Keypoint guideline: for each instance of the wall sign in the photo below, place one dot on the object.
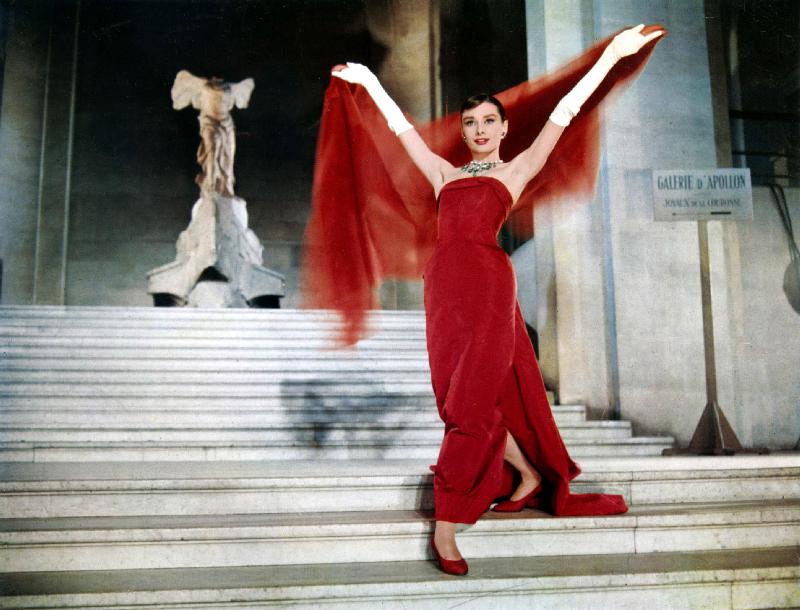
(702, 194)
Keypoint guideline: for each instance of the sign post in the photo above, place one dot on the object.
(703, 195)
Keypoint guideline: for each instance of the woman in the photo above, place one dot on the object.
(485, 377)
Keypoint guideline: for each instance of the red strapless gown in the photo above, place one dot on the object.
(483, 368)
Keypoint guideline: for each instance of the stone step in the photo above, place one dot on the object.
(316, 392)
(292, 400)
(31, 490)
(294, 393)
(13, 356)
(138, 315)
(43, 313)
(308, 433)
(206, 377)
(736, 580)
(221, 330)
(312, 389)
(292, 397)
(289, 327)
(294, 404)
(235, 417)
(242, 451)
(380, 368)
(126, 543)
(231, 341)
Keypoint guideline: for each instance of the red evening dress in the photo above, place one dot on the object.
(373, 217)
(483, 368)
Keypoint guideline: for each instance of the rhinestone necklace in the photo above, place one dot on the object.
(475, 167)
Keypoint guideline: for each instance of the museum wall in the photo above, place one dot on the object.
(97, 173)
(766, 329)
(135, 155)
(616, 296)
(24, 70)
(665, 122)
(98, 216)
(130, 166)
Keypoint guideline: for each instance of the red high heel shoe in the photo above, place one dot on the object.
(514, 506)
(458, 567)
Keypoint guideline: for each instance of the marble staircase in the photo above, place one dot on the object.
(168, 458)
(101, 384)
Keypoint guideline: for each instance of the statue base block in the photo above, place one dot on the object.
(218, 262)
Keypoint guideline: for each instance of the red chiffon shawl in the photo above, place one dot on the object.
(373, 212)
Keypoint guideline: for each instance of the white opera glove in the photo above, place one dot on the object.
(624, 44)
(361, 75)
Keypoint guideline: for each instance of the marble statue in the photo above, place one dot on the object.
(218, 262)
(214, 98)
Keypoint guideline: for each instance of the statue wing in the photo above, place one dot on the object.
(186, 90)
(241, 92)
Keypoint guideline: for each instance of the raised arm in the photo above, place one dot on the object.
(432, 165)
(530, 161)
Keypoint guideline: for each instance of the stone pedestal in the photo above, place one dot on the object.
(218, 262)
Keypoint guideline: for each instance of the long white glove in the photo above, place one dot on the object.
(359, 74)
(624, 44)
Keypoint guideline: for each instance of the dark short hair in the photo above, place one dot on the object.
(473, 101)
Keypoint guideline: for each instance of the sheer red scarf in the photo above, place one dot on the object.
(373, 212)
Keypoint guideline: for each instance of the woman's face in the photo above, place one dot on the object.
(483, 129)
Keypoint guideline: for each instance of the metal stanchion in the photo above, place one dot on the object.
(713, 435)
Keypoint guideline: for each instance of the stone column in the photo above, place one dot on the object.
(571, 267)
(627, 336)
(533, 262)
(665, 120)
(56, 156)
(25, 81)
(410, 32)
(36, 140)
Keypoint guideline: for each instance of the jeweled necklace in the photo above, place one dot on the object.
(475, 167)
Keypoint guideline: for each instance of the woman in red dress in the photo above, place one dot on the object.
(500, 438)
